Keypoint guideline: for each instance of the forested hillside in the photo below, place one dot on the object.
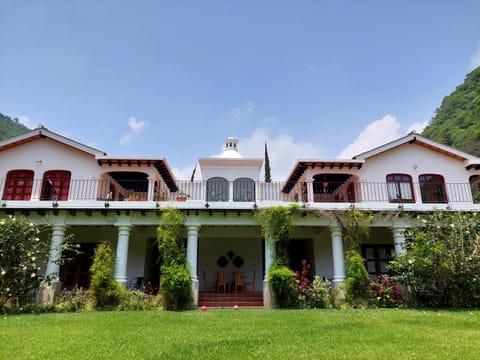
(10, 127)
(457, 120)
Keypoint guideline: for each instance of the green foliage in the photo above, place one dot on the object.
(320, 294)
(457, 120)
(24, 249)
(170, 235)
(284, 286)
(175, 280)
(138, 300)
(357, 283)
(105, 292)
(441, 262)
(10, 127)
(355, 226)
(277, 228)
(175, 283)
(386, 292)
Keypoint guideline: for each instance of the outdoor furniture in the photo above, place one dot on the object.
(207, 284)
(238, 281)
(136, 284)
(221, 282)
(251, 283)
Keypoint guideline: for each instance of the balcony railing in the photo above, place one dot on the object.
(239, 191)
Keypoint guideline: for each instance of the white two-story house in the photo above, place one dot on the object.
(83, 191)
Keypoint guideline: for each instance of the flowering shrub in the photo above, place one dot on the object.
(319, 294)
(441, 261)
(139, 300)
(72, 300)
(302, 277)
(386, 292)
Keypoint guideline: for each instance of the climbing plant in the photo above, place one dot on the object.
(355, 226)
(277, 228)
(175, 279)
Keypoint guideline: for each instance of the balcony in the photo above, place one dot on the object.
(246, 191)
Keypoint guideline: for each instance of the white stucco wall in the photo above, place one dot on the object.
(250, 249)
(414, 160)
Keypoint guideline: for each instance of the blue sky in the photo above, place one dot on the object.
(315, 79)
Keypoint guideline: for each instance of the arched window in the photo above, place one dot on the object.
(217, 189)
(18, 185)
(400, 188)
(244, 189)
(56, 184)
(432, 188)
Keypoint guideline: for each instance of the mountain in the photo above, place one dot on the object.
(457, 120)
(10, 127)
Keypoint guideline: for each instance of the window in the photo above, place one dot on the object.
(18, 185)
(244, 190)
(376, 259)
(217, 189)
(432, 188)
(400, 188)
(56, 184)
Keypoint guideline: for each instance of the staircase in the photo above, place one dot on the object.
(220, 301)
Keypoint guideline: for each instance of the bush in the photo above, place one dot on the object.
(319, 294)
(284, 286)
(357, 283)
(72, 300)
(386, 292)
(138, 300)
(105, 292)
(441, 261)
(175, 285)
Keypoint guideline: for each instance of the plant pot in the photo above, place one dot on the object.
(181, 198)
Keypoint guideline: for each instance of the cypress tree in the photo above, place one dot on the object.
(268, 177)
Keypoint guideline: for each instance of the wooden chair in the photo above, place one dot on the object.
(221, 281)
(238, 282)
(251, 283)
(207, 284)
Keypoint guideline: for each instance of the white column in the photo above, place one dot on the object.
(269, 256)
(53, 266)
(269, 259)
(398, 240)
(122, 254)
(338, 258)
(192, 250)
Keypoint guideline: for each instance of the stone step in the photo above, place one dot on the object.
(210, 300)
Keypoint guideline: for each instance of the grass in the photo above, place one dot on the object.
(244, 334)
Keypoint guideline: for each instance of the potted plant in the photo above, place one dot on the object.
(182, 196)
(161, 196)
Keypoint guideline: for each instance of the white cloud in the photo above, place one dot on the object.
(475, 60)
(418, 127)
(283, 151)
(186, 173)
(378, 133)
(25, 120)
(242, 112)
(136, 127)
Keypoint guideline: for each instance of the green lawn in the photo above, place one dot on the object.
(244, 334)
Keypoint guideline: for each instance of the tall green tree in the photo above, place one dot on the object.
(10, 127)
(268, 177)
(457, 120)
